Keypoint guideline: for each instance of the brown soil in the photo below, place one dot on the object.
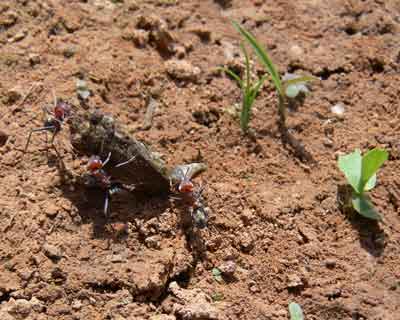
(274, 213)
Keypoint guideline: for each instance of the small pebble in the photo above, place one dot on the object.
(338, 109)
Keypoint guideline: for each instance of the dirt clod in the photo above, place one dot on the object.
(182, 70)
(192, 304)
(52, 251)
(228, 268)
(294, 281)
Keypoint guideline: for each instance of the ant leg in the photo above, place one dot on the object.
(53, 136)
(108, 159)
(36, 130)
(106, 204)
(126, 162)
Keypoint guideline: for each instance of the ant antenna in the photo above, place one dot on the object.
(54, 97)
(108, 159)
(126, 162)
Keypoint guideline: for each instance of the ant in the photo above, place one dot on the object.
(100, 179)
(180, 180)
(53, 123)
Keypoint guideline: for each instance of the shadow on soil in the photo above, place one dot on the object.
(124, 208)
(371, 235)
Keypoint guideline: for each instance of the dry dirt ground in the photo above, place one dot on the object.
(274, 213)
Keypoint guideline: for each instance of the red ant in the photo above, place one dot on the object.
(180, 179)
(100, 179)
(53, 123)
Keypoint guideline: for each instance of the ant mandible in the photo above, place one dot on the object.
(53, 123)
(102, 180)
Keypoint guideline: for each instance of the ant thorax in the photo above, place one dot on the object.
(62, 110)
(95, 163)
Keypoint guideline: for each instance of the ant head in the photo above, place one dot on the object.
(185, 187)
(95, 163)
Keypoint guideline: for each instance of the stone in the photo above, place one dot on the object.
(338, 109)
(146, 171)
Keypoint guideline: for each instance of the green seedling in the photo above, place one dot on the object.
(217, 296)
(249, 89)
(295, 311)
(360, 172)
(82, 89)
(217, 274)
(285, 88)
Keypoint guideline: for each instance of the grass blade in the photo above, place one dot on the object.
(247, 62)
(234, 76)
(262, 54)
(302, 79)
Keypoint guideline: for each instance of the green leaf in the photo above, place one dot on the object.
(295, 311)
(351, 166)
(364, 206)
(371, 183)
(262, 54)
(371, 162)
